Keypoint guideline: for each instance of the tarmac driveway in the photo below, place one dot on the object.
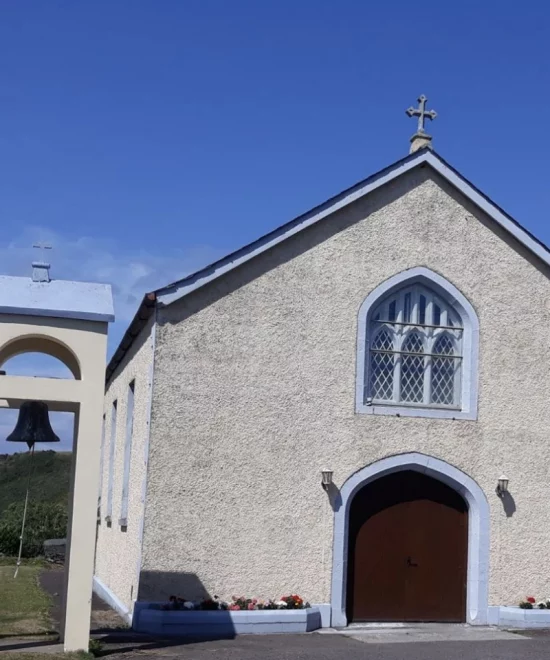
(338, 647)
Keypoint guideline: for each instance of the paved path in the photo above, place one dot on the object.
(339, 647)
(324, 646)
(423, 632)
(103, 617)
(419, 642)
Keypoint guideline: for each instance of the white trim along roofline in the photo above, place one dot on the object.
(176, 290)
(172, 292)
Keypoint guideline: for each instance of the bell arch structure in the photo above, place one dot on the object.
(69, 321)
(40, 343)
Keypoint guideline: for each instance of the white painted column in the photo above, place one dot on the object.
(79, 564)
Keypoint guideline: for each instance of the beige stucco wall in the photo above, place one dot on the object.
(255, 394)
(118, 551)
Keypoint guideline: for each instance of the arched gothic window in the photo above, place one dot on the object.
(415, 350)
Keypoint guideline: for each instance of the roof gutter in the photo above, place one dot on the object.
(142, 316)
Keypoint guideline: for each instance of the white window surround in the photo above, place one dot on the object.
(109, 512)
(123, 520)
(470, 347)
(477, 590)
(101, 467)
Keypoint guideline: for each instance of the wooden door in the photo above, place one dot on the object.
(407, 551)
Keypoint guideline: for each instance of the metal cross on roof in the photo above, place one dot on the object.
(42, 246)
(421, 113)
(41, 269)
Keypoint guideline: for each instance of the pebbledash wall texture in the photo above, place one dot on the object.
(118, 549)
(254, 394)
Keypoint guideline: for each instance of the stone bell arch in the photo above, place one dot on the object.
(69, 321)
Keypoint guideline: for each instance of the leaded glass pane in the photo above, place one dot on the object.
(415, 305)
(444, 346)
(412, 370)
(443, 371)
(382, 366)
(383, 341)
(413, 344)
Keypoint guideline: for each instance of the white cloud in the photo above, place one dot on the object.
(130, 273)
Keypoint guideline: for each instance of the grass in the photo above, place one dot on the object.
(24, 605)
(24, 613)
(10, 561)
(50, 480)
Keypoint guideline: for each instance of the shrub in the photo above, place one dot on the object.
(95, 647)
(44, 521)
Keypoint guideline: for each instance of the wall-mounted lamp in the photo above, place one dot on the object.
(326, 478)
(502, 485)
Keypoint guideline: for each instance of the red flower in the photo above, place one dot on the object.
(530, 599)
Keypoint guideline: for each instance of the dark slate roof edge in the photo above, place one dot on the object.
(138, 322)
(491, 202)
(282, 229)
(141, 317)
(423, 156)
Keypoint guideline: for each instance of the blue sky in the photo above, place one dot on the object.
(145, 138)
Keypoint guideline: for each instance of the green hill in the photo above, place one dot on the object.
(50, 478)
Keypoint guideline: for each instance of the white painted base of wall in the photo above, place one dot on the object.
(111, 599)
(320, 617)
(225, 623)
(326, 614)
(515, 617)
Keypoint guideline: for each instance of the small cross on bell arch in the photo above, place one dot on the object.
(33, 425)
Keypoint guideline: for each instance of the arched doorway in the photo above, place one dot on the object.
(407, 551)
(477, 590)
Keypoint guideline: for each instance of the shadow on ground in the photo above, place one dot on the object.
(8, 643)
(104, 618)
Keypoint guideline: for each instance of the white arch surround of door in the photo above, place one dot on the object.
(477, 592)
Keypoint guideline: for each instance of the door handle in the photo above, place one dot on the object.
(410, 562)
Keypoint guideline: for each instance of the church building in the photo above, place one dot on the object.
(354, 408)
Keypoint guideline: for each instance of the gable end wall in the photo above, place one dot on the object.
(255, 394)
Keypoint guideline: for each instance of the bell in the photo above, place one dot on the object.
(33, 425)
